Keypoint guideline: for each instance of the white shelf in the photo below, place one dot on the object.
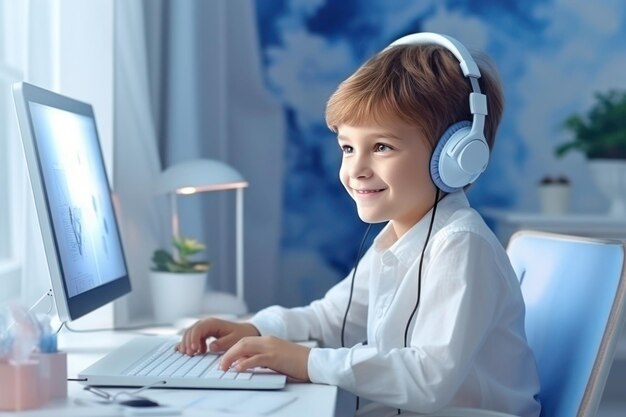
(594, 225)
(591, 222)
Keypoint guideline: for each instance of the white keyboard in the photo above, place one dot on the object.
(165, 362)
(153, 359)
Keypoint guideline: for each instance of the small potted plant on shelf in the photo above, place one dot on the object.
(554, 194)
(601, 136)
(178, 283)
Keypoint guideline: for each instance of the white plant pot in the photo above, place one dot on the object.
(610, 177)
(177, 295)
(554, 198)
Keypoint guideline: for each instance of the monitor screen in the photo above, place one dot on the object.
(73, 199)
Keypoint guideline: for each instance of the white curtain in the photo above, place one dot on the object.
(42, 69)
(136, 160)
(254, 141)
(209, 101)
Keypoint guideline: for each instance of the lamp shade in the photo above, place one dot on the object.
(199, 175)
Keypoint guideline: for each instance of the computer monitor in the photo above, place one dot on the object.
(73, 199)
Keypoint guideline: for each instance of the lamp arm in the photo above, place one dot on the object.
(239, 245)
(175, 224)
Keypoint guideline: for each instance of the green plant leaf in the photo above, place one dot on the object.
(161, 259)
(184, 247)
(601, 133)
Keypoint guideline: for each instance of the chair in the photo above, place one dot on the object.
(574, 291)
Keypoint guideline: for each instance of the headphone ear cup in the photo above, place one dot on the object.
(462, 127)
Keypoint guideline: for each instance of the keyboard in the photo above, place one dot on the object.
(152, 359)
(165, 361)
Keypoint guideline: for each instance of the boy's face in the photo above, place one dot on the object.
(386, 170)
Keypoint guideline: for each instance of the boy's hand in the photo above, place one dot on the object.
(225, 332)
(280, 355)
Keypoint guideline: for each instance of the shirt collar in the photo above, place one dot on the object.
(410, 245)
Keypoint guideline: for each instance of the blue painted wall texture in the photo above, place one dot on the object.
(552, 57)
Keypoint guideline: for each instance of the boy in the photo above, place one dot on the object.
(435, 296)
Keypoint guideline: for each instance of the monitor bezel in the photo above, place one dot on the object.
(68, 308)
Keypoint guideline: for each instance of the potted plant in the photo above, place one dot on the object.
(554, 194)
(184, 248)
(601, 136)
(178, 283)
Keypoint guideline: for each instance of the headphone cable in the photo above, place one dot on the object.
(356, 265)
(345, 316)
(419, 276)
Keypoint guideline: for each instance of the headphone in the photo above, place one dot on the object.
(461, 153)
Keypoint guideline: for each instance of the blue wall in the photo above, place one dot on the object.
(552, 56)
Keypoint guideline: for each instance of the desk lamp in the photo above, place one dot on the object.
(206, 175)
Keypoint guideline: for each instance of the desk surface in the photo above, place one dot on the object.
(85, 348)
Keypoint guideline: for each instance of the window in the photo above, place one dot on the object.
(12, 58)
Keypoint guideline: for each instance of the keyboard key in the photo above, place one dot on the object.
(214, 373)
(182, 371)
(164, 364)
(180, 361)
(147, 359)
(205, 362)
(163, 360)
(232, 374)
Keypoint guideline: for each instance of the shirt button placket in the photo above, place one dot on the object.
(388, 262)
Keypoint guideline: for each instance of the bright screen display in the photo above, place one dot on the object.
(78, 197)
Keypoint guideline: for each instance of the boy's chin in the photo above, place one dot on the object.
(370, 218)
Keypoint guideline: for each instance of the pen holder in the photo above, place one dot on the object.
(52, 374)
(20, 386)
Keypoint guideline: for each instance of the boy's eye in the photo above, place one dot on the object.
(347, 149)
(381, 147)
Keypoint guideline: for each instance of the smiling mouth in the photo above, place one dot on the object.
(364, 192)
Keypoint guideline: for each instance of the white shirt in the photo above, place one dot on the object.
(467, 344)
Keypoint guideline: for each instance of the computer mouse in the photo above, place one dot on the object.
(139, 402)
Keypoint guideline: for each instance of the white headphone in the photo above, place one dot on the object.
(462, 153)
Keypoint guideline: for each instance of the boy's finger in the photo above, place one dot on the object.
(202, 348)
(194, 334)
(184, 342)
(243, 348)
(199, 333)
(223, 343)
(228, 358)
(248, 363)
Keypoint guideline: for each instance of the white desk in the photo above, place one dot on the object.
(85, 348)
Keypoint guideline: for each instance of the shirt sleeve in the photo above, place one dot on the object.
(322, 319)
(461, 287)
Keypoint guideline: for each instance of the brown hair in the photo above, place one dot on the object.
(421, 85)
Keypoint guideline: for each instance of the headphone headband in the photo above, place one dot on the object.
(462, 153)
(468, 66)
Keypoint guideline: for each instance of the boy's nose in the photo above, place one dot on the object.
(360, 168)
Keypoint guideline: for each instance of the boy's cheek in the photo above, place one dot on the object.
(345, 187)
(343, 179)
